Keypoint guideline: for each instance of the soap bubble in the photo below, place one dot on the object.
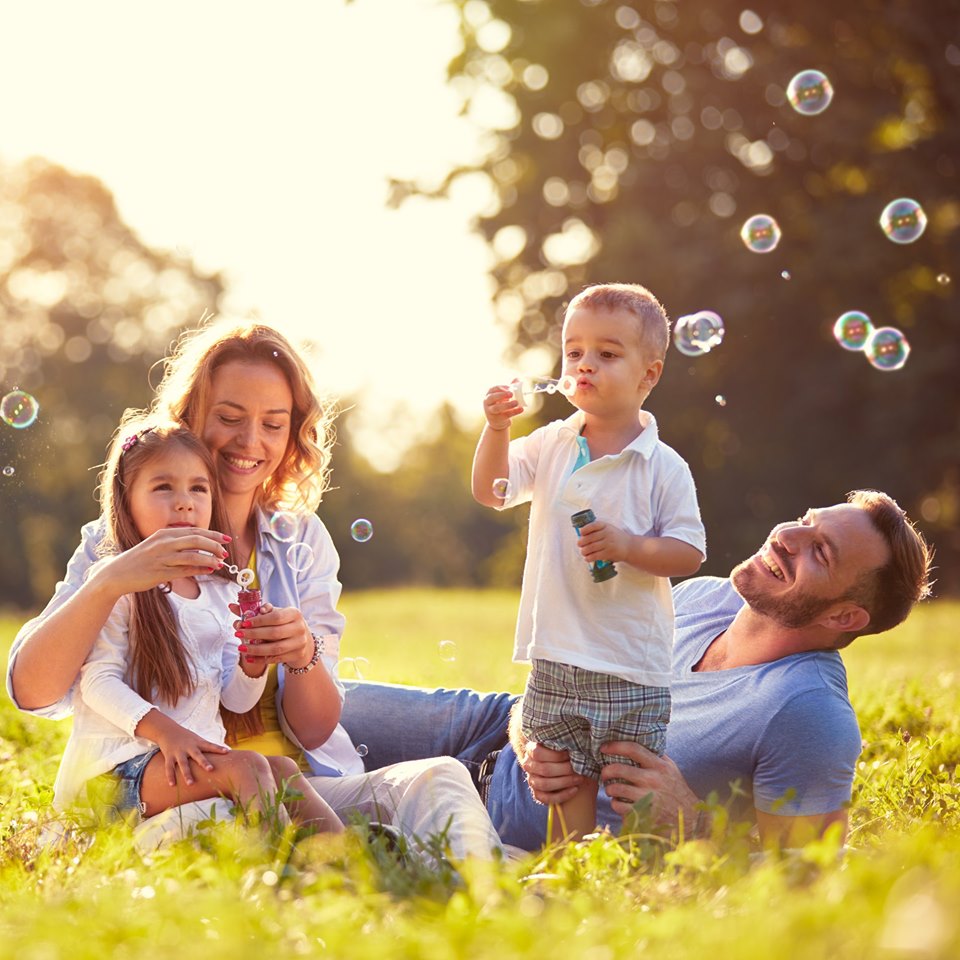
(810, 92)
(761, 233)
(852, 330)
(8, 471)
(448, 651)
(887, 349)
(785, 274)
(362, 749)
(19, 410)
(943, 279)
(361, 530)
(567, 385)
(720, 400)
(501, 488)
(903, 220)
(698, 333)
(284, 525)
(300, 557)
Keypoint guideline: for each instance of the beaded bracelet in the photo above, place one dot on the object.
(314, 660)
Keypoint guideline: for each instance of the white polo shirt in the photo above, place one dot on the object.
(623, 626)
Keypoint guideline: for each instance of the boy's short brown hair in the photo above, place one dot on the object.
(653, 323)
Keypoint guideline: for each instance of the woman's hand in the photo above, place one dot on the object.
(163, 556)
(275, 635)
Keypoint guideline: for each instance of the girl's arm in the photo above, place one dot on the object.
(48, 652)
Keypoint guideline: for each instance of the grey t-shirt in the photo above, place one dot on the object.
(784, 731)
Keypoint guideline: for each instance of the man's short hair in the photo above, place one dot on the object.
(652, 321)
(889, 592)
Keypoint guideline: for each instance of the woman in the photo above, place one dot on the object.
(245, 391)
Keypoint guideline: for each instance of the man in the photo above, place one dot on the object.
(761, 715)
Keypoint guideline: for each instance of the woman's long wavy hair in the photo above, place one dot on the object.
(159, 665)
(303, 476)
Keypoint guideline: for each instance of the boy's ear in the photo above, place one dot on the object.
(651, 376)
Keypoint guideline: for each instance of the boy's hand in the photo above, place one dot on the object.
(603, 541)
(500, 407)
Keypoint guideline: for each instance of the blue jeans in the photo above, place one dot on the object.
(400, 723)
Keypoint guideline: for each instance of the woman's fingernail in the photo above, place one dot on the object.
(244, 625)
(239, 635)
(229, 539)
(242, 648)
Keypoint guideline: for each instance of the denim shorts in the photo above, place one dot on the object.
(116, 795)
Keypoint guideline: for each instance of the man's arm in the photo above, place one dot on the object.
(779, 832)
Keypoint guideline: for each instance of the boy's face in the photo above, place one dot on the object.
(603, 352)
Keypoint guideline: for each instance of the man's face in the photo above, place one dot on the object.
(807, 566)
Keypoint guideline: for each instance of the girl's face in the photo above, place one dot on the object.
(171, 490)
(247, 425)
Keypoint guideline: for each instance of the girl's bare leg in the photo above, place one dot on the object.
(243, 776)
(311, 810)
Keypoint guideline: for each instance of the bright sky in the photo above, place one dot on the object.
(258, 139)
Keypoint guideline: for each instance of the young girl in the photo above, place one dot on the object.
(150, 691)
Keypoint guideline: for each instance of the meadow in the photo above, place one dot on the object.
(892, 892)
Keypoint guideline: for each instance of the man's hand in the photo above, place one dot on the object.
(550, 776)
(657, 776)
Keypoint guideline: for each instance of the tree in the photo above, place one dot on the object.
(85, 310)
(632, 142)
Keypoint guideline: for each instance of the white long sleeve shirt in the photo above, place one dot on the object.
(108, 710)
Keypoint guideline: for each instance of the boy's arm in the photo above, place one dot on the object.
(660, 556)
(492, 461)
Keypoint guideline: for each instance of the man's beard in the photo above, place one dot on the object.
(794, 612)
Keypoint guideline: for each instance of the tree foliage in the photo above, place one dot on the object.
(86, 308)
(632, 141)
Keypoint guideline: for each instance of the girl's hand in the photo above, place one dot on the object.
(275, 635)
(163, 556)
(603, 541)
(179, 746)
(500, 407)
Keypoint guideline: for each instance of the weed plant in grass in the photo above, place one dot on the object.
(232, 893)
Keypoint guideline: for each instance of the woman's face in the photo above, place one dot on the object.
(247, 425)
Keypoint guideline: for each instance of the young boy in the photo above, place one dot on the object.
(600, 650)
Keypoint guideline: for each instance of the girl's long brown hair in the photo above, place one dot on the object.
(159, 667)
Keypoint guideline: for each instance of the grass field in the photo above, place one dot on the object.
(893, 893)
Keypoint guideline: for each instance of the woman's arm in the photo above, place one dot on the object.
(304, 604)
(48, 652)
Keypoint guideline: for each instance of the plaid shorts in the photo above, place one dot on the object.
(569, 708)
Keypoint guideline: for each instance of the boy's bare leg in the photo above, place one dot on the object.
(243, 776)
(311, 810)
(578, 816)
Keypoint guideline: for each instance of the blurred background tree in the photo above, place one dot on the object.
(85, 311)
(625, 142)
(630, 141)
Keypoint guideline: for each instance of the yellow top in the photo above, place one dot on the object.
(272, 742)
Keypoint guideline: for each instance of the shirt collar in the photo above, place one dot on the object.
(644, 444)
